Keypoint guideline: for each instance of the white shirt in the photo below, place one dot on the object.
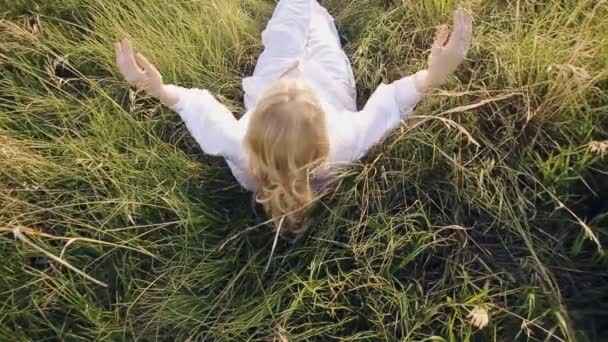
(301, 33)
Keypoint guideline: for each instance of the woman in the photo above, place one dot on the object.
(301, 118)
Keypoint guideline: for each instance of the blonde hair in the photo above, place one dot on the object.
(287, 142)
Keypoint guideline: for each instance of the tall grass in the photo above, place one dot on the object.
(491, 200)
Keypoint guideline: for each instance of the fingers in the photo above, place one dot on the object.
(128, 54)
(468, 30)
(441, 36)
(147, 66)
(126, 47)
(152, 81)
(118, 50)
(461, 37)
(126, 62)
(137, 70)
(466, 26)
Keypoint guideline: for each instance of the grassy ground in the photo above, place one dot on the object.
(493, 200)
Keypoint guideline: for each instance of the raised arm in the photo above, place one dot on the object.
(448, 51)
(390, 103)
(211, 124)
(140, 73)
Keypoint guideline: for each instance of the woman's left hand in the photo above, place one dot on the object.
(448, 52)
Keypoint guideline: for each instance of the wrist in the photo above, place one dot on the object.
(166, 97)
(434, 78)
(421, 81)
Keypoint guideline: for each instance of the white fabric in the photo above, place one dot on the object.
(301, 33)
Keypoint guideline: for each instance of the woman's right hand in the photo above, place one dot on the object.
(140, 73)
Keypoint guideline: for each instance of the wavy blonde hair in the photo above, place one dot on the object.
(287, 142)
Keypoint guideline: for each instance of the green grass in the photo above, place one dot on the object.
(491, 198)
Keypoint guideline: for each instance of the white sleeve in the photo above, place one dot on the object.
(211, 124)
(356, 132)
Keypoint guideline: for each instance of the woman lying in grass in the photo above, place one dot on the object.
(301, 118)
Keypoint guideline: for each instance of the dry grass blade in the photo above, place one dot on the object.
(71, 240)
(599, 147)
(18, 235)
(449, 123)
(466, 108)
(479, 317)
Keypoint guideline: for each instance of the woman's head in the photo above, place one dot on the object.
(287, 141)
